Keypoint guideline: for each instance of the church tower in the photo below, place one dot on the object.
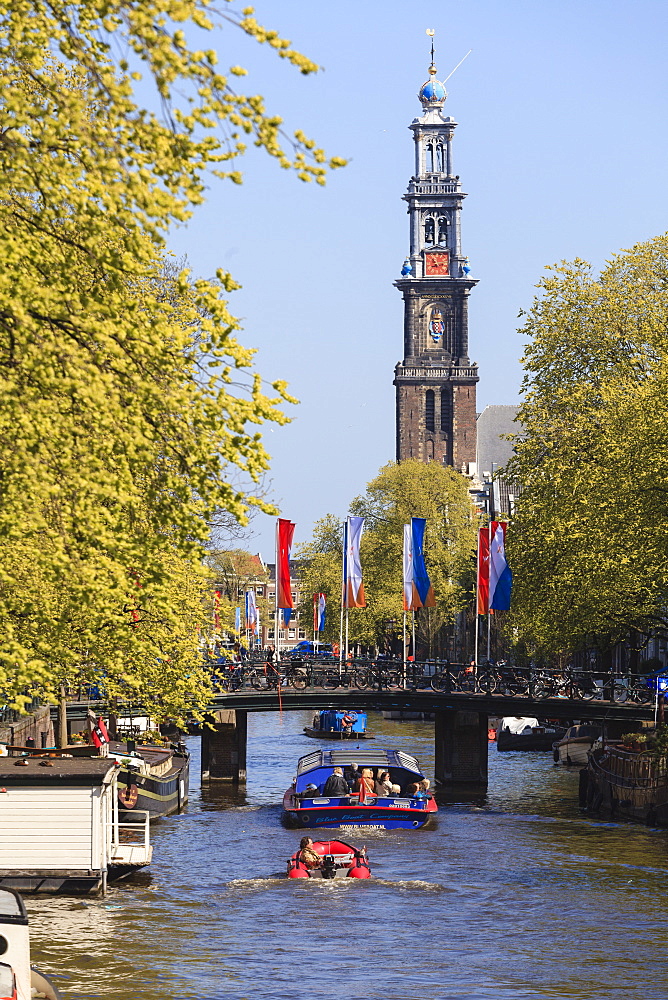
(436, 382)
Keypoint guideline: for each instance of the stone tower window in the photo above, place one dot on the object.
(430, 410)
(446, 408)
(429, 231)
(440, 159)
(442, 230)
(430, 158)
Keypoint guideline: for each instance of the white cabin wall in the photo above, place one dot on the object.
(50, 827)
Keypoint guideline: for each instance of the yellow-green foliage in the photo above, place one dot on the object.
(122, 423)
(588, 543)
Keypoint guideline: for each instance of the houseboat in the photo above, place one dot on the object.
(621, 783)
(525, 733)
(333, 724)
(60, 829)
(18, 980)
(305, 805)
(153, 778)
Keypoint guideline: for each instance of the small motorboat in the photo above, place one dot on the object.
(339, 860)
(331, 724)
(574, 747)
(408, 806)
(525, 733)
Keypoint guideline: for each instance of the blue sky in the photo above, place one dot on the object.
(561, 147)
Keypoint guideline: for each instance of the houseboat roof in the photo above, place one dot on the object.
(47, 770)
(344, 756)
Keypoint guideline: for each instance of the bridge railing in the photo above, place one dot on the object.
(433, 675)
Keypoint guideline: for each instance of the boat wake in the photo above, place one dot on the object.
(335, 884)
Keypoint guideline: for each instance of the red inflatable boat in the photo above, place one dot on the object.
(339, 860)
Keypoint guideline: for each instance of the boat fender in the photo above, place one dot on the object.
(296, 869)
(555, 756)
(360, 866)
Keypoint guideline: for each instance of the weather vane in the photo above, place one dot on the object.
(432, 68)
(431, 33)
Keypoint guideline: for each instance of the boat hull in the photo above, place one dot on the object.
(322, 734)
(622, 785)
(573, 753)
(527, 741)
(355, 816)
(157, 795)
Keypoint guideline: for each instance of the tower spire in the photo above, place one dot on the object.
(432, 68)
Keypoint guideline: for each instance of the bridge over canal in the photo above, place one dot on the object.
(460, 726)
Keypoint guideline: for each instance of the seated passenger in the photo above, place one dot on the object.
(383, 785)
(336, 785)
(352, 775)
(365, 786)
(412, 789)
(423, 789)
(396, 789)
(307, 855)
(310, 791)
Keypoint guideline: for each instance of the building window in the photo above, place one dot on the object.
(442, 230)
(291, 633)
(270, 633)
(446, 408)
(302, 633)
(440, 159)
(429, 230)
(281, 633)
(259, 591)
(271, 595)
(429, 411)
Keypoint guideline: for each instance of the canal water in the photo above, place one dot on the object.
(519, 896)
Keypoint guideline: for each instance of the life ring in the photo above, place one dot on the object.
(128, 796)
(349, 719)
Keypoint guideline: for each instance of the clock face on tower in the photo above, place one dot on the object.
(437, 263)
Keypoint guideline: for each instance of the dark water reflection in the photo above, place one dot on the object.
(516, 897)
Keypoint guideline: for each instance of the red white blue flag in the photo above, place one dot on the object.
(284, 532)
(418, 591)
(353, 588)
(319, 604)
(500, 576)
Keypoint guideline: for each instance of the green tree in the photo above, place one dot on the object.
(399, 492)
(588, 541)
(125, 427)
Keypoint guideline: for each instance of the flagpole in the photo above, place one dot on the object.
(413, 614)
(276, 644)
(477, 607)
(343, 590)
(404, 648)
(489, 598)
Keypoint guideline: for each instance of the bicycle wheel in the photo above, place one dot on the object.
(330, 680)
(259, 680)
(439, 682)
(486, 683)
(393, 680)
(298, 678)
(362, 679)
(620, 693)
(641, 694)
(585, 691)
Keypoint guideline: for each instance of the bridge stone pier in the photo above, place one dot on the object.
(224, 746)
(461, 752)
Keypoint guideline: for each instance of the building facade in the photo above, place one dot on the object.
(436, 381)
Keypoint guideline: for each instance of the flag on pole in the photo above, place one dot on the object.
(421, 579)
(287, 615)
(319, 603)
(237, 620)
(353, 588)
(418, 591)
(483, 571)
(251, 611)
(284, 532)
(500, 576)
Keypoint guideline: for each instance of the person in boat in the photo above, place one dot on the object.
(365, 784)
(310, 791)
(307, 855)
(423, 789)
(352, 775)
(336, 785)
(383, 785)
(347, 723)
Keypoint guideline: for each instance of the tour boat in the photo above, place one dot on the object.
(524, 733)
(331, 724)
(305, 805)
(339, 860)
(574, 747)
